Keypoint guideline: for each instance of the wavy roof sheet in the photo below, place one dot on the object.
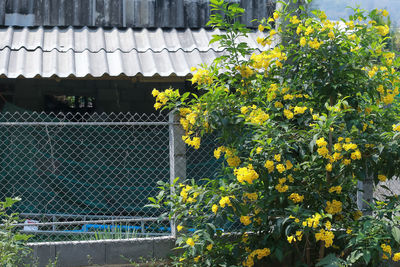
(80, 52)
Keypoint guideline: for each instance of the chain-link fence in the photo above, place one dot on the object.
(85, 177)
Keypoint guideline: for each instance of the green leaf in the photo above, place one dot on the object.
(396, 234)
(367, 256)
(330, 261)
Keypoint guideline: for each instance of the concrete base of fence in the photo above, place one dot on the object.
(103, 252)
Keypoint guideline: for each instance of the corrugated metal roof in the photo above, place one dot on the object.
(80, 52)
(121, 13)
(109, 40)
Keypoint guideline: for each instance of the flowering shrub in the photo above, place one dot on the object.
(298, 125)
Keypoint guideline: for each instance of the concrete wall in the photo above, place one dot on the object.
(103, 252)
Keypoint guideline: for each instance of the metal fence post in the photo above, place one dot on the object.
(177, 155)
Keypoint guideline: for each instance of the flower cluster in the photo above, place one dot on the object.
(260, 253)
(230, 153)
(296, 198)
(296, 237)
(387, 251)
(333, 207)
(246, 174)
(163, 97)
(326, 236)
(337, 189)
(313, 221)
(202, 76)
(256, 115)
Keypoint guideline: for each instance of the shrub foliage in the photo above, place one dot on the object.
(298, 125)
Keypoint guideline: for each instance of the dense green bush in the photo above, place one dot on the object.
(298, 125)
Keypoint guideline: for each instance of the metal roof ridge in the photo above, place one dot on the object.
(113, 51)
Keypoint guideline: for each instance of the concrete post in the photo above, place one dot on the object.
(177, 154)
(365, 192)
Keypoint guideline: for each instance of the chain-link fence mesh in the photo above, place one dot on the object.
(85, 176)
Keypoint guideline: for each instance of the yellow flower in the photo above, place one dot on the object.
(349, 146)
(299, 235)
(225, 201)
(356, 155)
(275, 15)
(246, 174)
(245, 71)
(387, 249)
(382, 177)
(280, 168)
(251, 196)
(281, 188)
(233, 161)
(155, 92)
(214, 208)
(382, 30)
(288, 114)
(157, 105)
(337, 147)
(323, 151)
(261, 28)
(328, 225)
(289, 165)
(294, 20)
(309, 30)
(321, 142)
(269, 164)
(296, 198)
(299, 110)
(333, 207)
(277, 157)
(346, 161)
(218, 151)
(303, 41)
(196, 259)
(209, 247)
(326, 236)
(246, 220)
(288, 96)
(328, 167)
(278, 104)
(396, 127)
(190, 242)
(337, 189)
(179, 228)
(258, 150)
(315, 44)
(385, 13)
(348, 231)
(331, 35)
(313, 221)
(396, 256)
(202, 76)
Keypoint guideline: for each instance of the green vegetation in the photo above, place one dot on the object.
(299, 125)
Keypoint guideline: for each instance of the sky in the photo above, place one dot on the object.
(336, 9)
